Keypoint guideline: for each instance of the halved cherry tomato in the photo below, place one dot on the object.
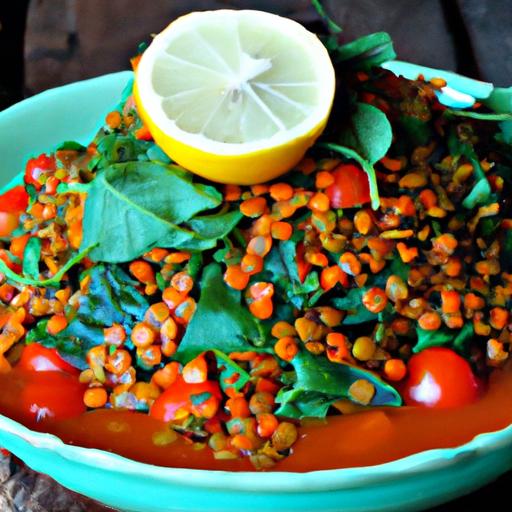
(14, 200)
(201, 400)
(350, 187)
(438, 377)
(8, 223)
(51, 396)
(36, 358)
(37, 166)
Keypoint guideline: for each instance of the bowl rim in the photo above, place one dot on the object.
(287, 482)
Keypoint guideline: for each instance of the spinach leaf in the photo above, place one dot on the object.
(352, 303)
(231, 374)
(70, 145)
(464, 336)
(115, 148)
(318, 383)
(111, 298)
(366, 51)
(31, 257)
(415, 131)
(428, 339)
(51, 281)
(366, 166)
(369, 132)
(144, 204)
(331, 25)
(221, 322)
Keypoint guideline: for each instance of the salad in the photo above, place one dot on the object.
(375, 274)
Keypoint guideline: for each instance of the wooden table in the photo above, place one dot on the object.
(69, 40)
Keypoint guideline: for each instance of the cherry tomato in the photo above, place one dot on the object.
(350, 187)
(51, 396)
(14, 200)
(36, 358)
(201, 400)
(438, 377)
(8, 223)
(37, 166)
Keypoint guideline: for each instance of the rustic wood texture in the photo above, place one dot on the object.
(69, 40)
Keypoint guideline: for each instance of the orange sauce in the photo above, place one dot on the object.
(365, 438)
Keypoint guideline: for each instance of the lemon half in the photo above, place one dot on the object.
(235, 96)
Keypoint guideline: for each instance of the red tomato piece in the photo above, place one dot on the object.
(303, 266)
(8, 223)
(52, 396)
(14, 200)
(439, 377)
(36, 358)
(350, 187)
(37, 166)
(202, 400)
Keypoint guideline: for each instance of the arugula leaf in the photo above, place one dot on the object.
(115, 148)
(31, 257)
(465, 335)
(366, 51)
(369, 132)
(230, 371)
(318, 383)
(331, 25)
(111, 298)
(221, 322)
(367, 168)
(458, 339)
(144, 204)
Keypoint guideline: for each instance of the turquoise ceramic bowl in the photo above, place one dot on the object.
(412, 483)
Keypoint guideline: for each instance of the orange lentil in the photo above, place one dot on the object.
(94, 398)
(396, 289)
(167, 375)
(438, 83)
(253, 207)
(156, 255)
(453, 267)
(363, 222)
(51, 185)
(282, 329)
(143, 335)
(261, 402)
(401, 326)
(157, 314)
(262, 308)
(319, 259)
(150, 356)
(407, 254)
(238, 407)
(113, 119)
(251, 264)
(450, 300)
(18, 245)
(177, 257)
(267, 424)
(324, 179)
(281, 230)
(361, 279)
(142, 271)
(185, 311)
(498, 318)
(392, 164)
(286, 348)
(281, 191)
(259, 189)
(182, 282)
(143, 133)
(118, 362)
(375, 300)
(195, 371)
(395, 370)
(242, 442)
(428, 198)
(284, 436)
(319, 202)
(262, 225)
(330, 277)
(169, 347)
(232, 192)
(236, 278)
(260, 245)
(261, 290)
(364, 348)
(56, 324)
(430, 321)
(453, 320)
(350, 264)
(413, 180)
(308, 330)
(283, 210)
(446, 243)
(115, 335)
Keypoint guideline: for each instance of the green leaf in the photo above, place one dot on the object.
(369, 132)
(70, 145)
(331, 25)
(352, 303)
(367, 167)
(31, 257)
(221, 322)
(428, 339)
(479, 194)
(417, 132)
(318, 383)
(114, 148)
(52, 281)
(230, 371)
(481, 116)
(142, 204)
(367, 51)
(465, 335)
